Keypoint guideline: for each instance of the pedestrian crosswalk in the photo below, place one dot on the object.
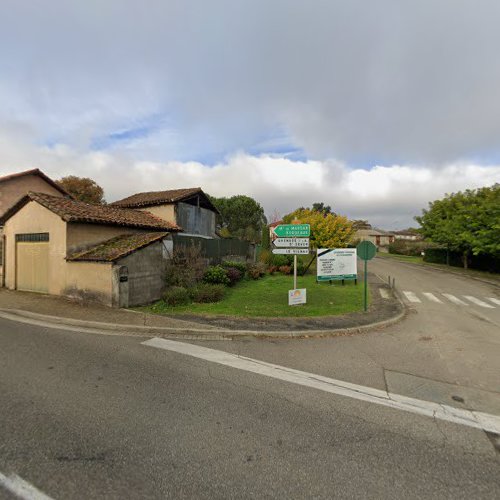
(444, 298)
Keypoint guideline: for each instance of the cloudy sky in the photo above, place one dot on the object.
(373, 107)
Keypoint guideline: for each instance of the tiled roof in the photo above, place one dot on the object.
(34, 171)
(117, 247)
(156, 197)
(78, 211)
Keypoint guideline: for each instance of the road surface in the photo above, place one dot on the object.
(96, 416)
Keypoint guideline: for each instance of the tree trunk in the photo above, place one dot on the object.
(447, 256)
(466, 259)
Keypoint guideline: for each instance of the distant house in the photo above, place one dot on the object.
(407, 235)
(380, 238)
(60, 246)
(189, 208)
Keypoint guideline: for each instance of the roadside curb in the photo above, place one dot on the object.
(95, 327)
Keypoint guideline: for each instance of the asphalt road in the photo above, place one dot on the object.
(95, 416)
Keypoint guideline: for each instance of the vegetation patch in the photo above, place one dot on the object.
(268, 297)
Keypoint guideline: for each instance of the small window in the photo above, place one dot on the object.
(33, 237)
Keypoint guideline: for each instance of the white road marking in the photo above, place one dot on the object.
(383, 293)
(455, 300)
(477, 420)
(478, 302)
(495, 301)
(21, 489)
(431, 297)
(412, 297)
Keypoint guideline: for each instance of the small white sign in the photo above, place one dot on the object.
(291, 251)
(297, 296)
(291, 242)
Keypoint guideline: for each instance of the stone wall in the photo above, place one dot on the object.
(146, 275)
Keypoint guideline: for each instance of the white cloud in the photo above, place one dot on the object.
(388, 196)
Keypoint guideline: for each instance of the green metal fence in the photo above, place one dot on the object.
(217, 250)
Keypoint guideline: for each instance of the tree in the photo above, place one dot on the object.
(466, 222)
(241, 215)
(322, 208)
(327, 231)
(82, 189)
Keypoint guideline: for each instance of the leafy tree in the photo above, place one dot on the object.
(327, 231)
(265, 239)
(467, 222)
(322, 208)
(83, 189)
(241, 215)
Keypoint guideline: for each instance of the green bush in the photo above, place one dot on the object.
(402, 247)
(206, 292)
(241, 266)
(176, 296)
(216, 275)
(281, 260)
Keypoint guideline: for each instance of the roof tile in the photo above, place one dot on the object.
(117, 247)
(156, 197)
(78, 211)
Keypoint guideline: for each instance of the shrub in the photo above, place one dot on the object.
(257, 270)
(265, 255)
(285, 269)
(176, 296)
(272, 269)
(241, 266)
(403, 247)
(206, 292)
(234, 275)
(185, 267)
(216, 275)
(281, 260)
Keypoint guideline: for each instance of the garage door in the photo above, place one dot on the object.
(32, 262)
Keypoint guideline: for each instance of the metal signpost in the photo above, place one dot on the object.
(292, 239)
(366, 251)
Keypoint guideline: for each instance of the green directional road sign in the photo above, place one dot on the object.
(293, 231)
(366, 251)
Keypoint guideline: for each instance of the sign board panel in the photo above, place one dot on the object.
(291, 242)
(291, 251)
(297, 296)
(336, 264)
(366, 250)
(292, 231)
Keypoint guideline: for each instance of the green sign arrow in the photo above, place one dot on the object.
(293, 231)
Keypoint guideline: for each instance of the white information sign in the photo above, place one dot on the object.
(336, 264)
(291, 242)
(290, 251)
(297, 296)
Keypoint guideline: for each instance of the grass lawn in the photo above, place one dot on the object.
(268, 297)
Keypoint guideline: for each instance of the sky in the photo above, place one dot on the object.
(372, 107)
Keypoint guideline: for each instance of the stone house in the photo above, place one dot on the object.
(189, 208)
(60, 246)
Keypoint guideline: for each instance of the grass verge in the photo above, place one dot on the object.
(268, 297)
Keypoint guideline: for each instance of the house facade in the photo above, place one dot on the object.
(188, 208)
(65, 247)
(379, 238)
